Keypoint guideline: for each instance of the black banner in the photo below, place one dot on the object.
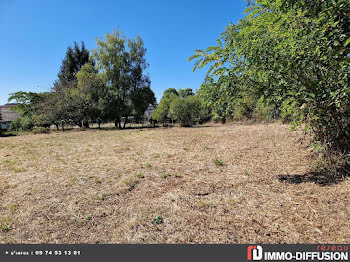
(253, 252)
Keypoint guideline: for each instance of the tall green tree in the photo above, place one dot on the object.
(26, 102)
(161, 113)
(73, 61)
(295, 55)
(185, 92)
(122, 62)
(88, 95)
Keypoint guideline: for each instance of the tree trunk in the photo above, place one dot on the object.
(125, 121)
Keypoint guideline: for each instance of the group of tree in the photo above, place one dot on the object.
(182, 106)
(108, 83)
(290, 58)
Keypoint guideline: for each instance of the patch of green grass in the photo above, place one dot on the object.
(246, 172)
(5, 224)
(98, 181)
(13, 208)
(5, 228)
(131, 182)
(158, 220)
(148, 165)
(60, 159)
(139, 175)
(18, 169)
(186, 148)
(156, 155)
(218, 162)
(8, 163)
(88, 217)
(165, 175)
(103, 196)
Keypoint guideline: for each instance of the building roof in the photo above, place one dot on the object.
(149, 111)
(7, 115)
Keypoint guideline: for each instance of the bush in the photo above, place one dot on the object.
(216, 118)
(186, 110)
(22, 123)
(300, 63)
(265, 111)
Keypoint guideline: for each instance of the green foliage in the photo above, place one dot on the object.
(122, 62)
(182, 106)
(117, 87)
(170, 91)
(15, 125)
(89, 217)
(293, 57)
(161, 113)
(74, 60)
(218, 162)
(158, 220)
(102, 197)
(165, 175)
(5, 228)
(88, 95)
(26, 102)
(131, 182)
(140, 175)
(24, 123)
(185, 92)
(186, 110)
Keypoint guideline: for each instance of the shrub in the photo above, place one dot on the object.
(302, 64)
(22, 123)
(186, 110)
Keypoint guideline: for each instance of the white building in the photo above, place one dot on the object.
(7, 116)
(148, 112)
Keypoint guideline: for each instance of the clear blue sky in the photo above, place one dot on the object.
(35, 35)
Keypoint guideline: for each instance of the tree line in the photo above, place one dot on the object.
(182, 106)
(108, 83)
(288, 59)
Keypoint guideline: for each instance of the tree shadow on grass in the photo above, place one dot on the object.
(322, 178)
(7, 134)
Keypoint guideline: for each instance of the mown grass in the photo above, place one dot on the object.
(214, 184)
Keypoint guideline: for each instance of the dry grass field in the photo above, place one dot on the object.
(207, 184)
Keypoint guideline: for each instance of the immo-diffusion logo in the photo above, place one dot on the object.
(334, 253)
(255, 253)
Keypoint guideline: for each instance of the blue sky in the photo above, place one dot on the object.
(35, 35)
